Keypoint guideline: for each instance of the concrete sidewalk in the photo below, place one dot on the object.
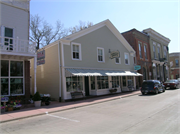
(60, 106)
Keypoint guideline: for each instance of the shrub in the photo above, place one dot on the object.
(36, 97)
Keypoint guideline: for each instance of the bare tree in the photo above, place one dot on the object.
(42, 33)
(81, 26)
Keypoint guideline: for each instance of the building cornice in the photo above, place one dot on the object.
(154, 34)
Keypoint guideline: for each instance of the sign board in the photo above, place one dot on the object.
(114, 54)
(41, 57)
(40, 62)
(137, 67)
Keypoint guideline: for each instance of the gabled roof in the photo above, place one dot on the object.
(107, 23)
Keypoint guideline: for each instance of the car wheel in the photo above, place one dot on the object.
(164, 89)
(143, 93)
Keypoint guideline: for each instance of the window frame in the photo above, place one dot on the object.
(165, 52)
(140, 49)
(103, 57)
(159, 52)
(177, 65)
(154, 52)
(80, 54)
(145, 52)
(125, 58)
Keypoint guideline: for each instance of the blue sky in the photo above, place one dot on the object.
(160, 15)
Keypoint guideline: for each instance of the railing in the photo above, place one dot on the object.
(22, 4)
(16, 45)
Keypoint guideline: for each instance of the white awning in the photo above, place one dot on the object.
(96, 72)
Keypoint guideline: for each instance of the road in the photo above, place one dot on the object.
(139, 114)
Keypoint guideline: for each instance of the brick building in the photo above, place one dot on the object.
(140, 43)
(174, 65)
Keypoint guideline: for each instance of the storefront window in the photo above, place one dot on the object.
(74, 84)
(15, 77)
(115, 82)
(130, 81)
(102, 82)
(93, 83)
(124, 81)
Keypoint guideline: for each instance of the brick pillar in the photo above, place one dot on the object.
(27, 80)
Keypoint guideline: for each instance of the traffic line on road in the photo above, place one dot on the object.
(61, 117)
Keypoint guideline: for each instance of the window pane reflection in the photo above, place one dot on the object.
(16, 68)
(16, 85)
(4, 86)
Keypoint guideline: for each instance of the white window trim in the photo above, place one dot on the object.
(103, 55)
(128, 59)
(119, 60)
(80, 55)
(3, 31)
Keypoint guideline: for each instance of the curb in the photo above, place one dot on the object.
(74, 107)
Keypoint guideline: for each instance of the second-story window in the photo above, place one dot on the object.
(177, 62)
(100, 54)
(154, 52)
(140, 51)
(159, 53)
(165, 52)
(145, 51)
(126, 58)
(8, 32)
(76, 51)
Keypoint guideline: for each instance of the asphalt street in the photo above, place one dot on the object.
(139, 114)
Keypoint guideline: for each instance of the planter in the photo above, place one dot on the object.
(112, 90)
(10, 108)
(37, 103)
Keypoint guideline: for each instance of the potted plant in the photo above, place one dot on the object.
(37, 99)
(10, 107)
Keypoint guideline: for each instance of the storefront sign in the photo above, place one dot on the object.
(114, 54)
(41, 55)
(40, 62)
(137, 67)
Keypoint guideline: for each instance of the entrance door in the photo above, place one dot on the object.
(86, 81)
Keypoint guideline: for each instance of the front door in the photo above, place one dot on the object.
(86, 81)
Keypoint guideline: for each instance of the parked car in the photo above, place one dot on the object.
(173, 83)
(152, 86)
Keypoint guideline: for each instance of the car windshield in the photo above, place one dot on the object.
(148, 83)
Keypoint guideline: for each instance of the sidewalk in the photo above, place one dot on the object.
(60, 106)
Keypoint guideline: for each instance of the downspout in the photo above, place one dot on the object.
(62, 72)
(59, 59)
(35, 67)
